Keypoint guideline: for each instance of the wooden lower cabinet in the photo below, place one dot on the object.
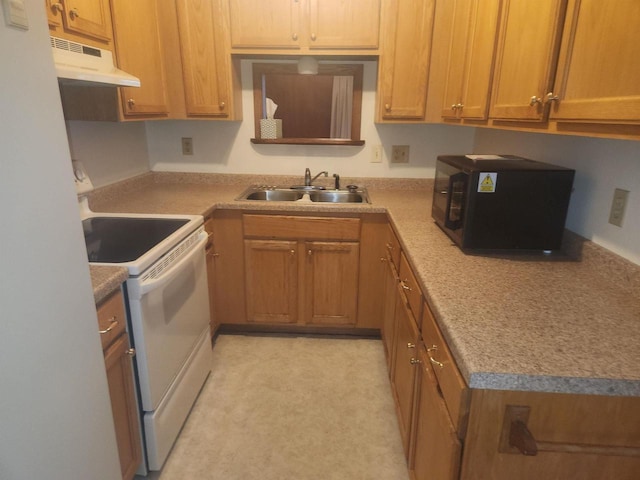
(312, 283)
(271, 281)
(389, 313)
(436, 448)
(585, 437)
(227, 293)
(403, 377)
(118, 359)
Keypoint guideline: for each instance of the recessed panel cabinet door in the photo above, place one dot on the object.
(139, 52)
(331, 282)
(437, 449)
(344, 24)
(269, 24)
(478, 65)
(271, 275)
(204, 66)
(599, 68)
(87, 17)
(526, 58)
(404, 60)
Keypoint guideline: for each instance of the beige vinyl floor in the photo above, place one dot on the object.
(291, 407)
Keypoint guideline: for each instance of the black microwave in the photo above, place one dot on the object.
(501, 202)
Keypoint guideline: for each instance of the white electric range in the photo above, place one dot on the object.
(168, 309)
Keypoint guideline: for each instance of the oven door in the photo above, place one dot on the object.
(169, 311)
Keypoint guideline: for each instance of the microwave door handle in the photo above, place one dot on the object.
(448, 221)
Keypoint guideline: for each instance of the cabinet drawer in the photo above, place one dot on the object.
(111, 319)
(311, 228)
(410, 286)
(392, 245)
(454, 388)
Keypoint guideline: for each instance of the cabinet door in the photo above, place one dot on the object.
(389, 313)
(458, 43)
(54, 10)
(331, 283)
(228, 255)
(481, 42)
(272, 24)
(404, 373)
(437, 449)
(525, 62)
(139, 52)
(404, 60)
(123, 405)
(271, 276)
(87, 17)
(204, 66)
(340, 24)
(599, 69)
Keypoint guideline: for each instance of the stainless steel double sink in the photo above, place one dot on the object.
(302, 193)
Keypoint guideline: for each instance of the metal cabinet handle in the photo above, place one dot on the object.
(405, 286)
(222, 105)
(131, 352)
(535, 100)
(411, 345)
(131, 102)
(415, 361)
(292, 252)
(294, 36)
(550, 97)
(74, 13)
(114, 324)
(387, 107)
(434, 348)
(313, 37)
(56, 6)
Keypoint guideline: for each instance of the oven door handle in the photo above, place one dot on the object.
(145, 287)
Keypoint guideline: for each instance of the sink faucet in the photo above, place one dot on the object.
(307, 176)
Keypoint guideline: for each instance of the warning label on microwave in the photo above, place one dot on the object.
(487, 182)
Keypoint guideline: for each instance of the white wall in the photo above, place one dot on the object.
(109, 151)
(55, 418)
(601, 166)
(224, 147)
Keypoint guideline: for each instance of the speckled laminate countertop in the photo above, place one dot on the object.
(566, 323)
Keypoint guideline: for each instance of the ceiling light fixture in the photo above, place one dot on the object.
(307, 66)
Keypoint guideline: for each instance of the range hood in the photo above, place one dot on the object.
(77, 63)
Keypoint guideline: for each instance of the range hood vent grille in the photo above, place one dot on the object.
(77, 63)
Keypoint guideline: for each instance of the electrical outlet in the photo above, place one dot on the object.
(187, 146)
(618, 206)
(376, 154)
(400, 154)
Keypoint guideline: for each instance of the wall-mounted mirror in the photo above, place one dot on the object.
(321, 109)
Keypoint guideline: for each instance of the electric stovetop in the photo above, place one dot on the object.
(124, 239)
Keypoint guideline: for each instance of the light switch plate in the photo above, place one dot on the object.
(618, 206)
(15, 14)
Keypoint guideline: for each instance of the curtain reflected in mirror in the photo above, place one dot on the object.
(309, 109)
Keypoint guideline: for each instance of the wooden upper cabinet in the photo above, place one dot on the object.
(139, 52)
(54, 10)
(344, 24)
(598, 75)
(273, 24)
(87, 17)
(528, 45)
(404, 60)
(472, 45)
(204, 63)
(304, 25)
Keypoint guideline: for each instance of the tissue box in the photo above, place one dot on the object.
(270, 128)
